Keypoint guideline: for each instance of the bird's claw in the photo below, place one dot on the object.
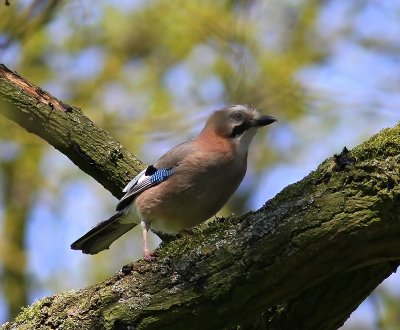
(149, 256)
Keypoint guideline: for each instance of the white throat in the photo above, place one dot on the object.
(243, 141)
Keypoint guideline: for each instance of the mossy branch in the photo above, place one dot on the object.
(67, 129)
(307, 258)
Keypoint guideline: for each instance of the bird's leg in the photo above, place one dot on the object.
(148, 255)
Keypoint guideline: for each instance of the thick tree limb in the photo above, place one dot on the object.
(308, 257)
(67, 129)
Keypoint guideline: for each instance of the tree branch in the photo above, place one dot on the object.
(327, 240)
(67, 129)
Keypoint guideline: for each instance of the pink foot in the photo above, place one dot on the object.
(149, 256)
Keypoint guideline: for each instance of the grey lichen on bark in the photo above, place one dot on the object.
(308, 257)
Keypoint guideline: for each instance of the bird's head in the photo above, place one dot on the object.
(238, 123)
(234, 121)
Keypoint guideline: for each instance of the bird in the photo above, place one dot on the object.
(188, 185)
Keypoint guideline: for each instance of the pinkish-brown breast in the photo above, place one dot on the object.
(200, 186)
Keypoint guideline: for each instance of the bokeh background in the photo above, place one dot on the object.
(150, 72)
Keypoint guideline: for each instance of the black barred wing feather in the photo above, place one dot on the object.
(149, 177)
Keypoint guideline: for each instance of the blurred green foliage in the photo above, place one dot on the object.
(148, 72)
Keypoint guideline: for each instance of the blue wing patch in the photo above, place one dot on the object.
(144, 180)
(161, 175)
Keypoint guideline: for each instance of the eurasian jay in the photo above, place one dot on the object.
(187, 185)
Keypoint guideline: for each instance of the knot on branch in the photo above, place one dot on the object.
(342, 160)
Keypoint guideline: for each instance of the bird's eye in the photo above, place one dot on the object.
(238, 116)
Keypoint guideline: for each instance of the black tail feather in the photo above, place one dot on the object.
(100, 237)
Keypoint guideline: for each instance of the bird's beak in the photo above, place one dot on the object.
(264, 120)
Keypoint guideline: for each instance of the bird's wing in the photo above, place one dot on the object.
(150, 177)
(155, 174)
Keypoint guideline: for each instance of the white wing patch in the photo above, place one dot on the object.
(137, 179)
(147, 178)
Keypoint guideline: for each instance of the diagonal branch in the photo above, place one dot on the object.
(331, 237)
(67, 129)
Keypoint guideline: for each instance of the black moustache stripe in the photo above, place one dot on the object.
(240, 129)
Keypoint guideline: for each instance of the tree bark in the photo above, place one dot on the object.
(305, 260)
(67, 129)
